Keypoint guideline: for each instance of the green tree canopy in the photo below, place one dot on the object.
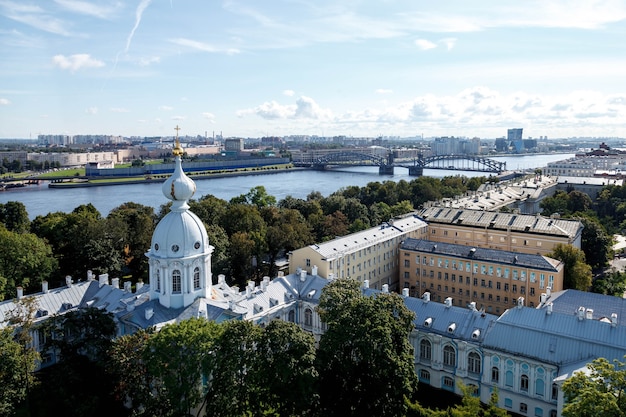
(364, 360)
(577, 273)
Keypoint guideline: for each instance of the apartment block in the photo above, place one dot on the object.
(523, 233)
(490, 279)
(370, 255)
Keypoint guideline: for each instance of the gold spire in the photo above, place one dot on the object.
(178, 150)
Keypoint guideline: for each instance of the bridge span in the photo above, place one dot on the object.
(383, 158)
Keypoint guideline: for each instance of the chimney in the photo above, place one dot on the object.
(303, 275)
(589, 314)
(128, 286)
(543, 298)
(385, 288)
(548, 292)
(44, 287)
(472, 306)
(149, 313)
(581, 313)
(115, 282)
(520, 302)
(405, 292)
(20, 293)
(366, 283)
(68, 280)
(131, 305)
(90, 276)
(249, 289)
(426, 297)
(614, 319)
(264, 283)
(448, 302)
(103, 279)
(139, 285)
(221, 279)
(314, 270)
(549, 309)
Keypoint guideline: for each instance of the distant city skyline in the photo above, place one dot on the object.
(359, 68)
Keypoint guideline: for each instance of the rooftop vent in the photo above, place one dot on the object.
(451, 327)
(448, 302)
(428, 322)
(476, 334)
(426, 297)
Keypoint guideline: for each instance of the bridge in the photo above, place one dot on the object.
(323, 159)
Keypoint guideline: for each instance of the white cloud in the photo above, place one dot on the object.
(383, 91)
(166, 108)
(147, 61)
(179, 117)
(4, 102)
(141, 7)
(119, 110)
(425, 44)
(76, 62)
(205, 47)
(86, 8)
(289, 93)
(209, 116)
(304, 108)
(91, 110)
(448, 42)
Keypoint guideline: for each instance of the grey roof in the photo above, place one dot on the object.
(466, 320)
(555, 338)
(365, 238)
(55, 301)
(503, 221)
(524, 260)
(603, 306)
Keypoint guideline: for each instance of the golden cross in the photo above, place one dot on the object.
(178, 150)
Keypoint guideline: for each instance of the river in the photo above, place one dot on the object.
(41, 200)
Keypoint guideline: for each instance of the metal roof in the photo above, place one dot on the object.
(603, 306)
(522, 260)
(366, 238)
(503, 221)
(555, 338)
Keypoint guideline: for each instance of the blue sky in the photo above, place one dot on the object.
(253, 68)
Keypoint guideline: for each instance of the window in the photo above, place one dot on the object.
(495, 374)
(508, 380)
(539, 387)
(473, 362)
(538, 412)
(291, 316)
(158, 280)
(448, 383)
(308, 317)
(449, 356)
(425, 350)
(498, 287)
(196, 278)
(508, 403)
(523, 408)
(555, 392)
(424, 376)
(308, 262)
(523, 384)
(176, 283)
(407, 263)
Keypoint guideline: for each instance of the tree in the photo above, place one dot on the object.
(177, 358)
(595, 242)
(14, 216)
(600, 392)
(18, 356)
(231, 390)
(611, 283)
(284, 369)
(364, 360)
(25, 260)
(577, 273)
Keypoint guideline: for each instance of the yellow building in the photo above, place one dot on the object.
(488, 279)
(370, 255)
(523, 233)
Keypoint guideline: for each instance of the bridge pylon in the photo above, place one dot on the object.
(416, 171)
(385, 170)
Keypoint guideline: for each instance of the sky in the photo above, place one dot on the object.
(252, 68)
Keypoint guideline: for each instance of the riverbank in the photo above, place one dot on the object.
(99, 182)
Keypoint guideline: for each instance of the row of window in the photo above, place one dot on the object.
(502, 239)
(177, 280)
(498, 287)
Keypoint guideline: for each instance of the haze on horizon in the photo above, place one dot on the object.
(357, 68)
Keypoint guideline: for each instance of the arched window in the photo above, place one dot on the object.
(473, 363)
(555, 392)
(196, 278)
(448, 383)
(158, 280)
(449, 356)
(176, 283)
(308, 317)
(425, 350)
(424, 376)
(523, 383)
(291, 316)
(495, 374)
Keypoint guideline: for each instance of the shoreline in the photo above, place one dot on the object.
(235, 173)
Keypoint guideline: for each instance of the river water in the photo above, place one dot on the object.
(41, 200)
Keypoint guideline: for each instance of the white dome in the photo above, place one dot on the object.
(178, 235)
(178, 187)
